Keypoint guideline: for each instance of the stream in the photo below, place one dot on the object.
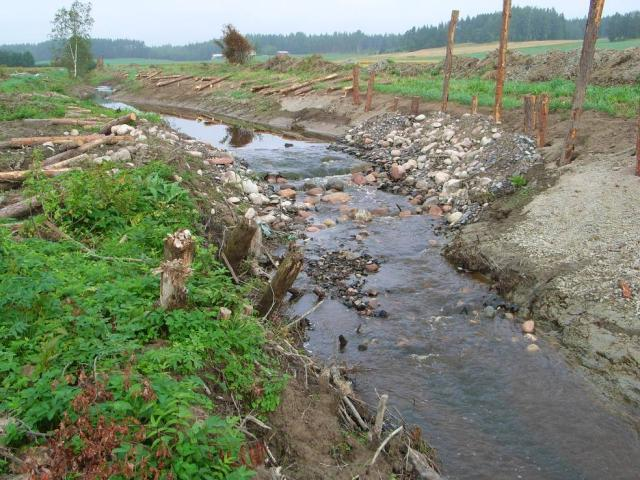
(492, 409)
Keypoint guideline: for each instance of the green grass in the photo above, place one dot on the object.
(617, 101)
(83, 343)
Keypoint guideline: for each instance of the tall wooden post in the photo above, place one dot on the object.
(372, 81)
(638, 144)
(543, 115)
(448, 61)
(396, 101)
(415, 105)
(584, 71)
(356, 85)
(529, 114)
(474, 105)
(502, 60)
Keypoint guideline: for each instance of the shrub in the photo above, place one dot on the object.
(235, 47)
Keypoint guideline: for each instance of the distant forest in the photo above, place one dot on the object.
(528, 23)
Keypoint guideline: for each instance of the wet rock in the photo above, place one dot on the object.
(337, 197)
(489, 312)
(287, 193)
(435, 211)
(358, 179)
(528, 326)
(372, 267)
(335, 184)
(454, 217)
(363, 215)
(533, 348)
(315, 191)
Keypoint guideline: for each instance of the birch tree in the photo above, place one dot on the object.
(70, 32)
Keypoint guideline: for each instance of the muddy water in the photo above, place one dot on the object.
(492, 409)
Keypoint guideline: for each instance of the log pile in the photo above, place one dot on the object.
(211, 83)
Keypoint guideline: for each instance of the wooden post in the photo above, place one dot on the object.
(281, 282)
(356, 85)
(638, 144)
(474, 105)
(584, 71)
(502, 60)
(529, 114)
(372, 81)
(238, 243)
(396, 101)
(179, 250)
(415, 105)
(543, 116)
(448, 62)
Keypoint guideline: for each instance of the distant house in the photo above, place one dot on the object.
(216, 56)
(282, 53)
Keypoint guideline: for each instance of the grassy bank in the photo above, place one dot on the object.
(617, 101)
(87, 357)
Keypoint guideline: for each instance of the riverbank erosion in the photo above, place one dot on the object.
(133, 339)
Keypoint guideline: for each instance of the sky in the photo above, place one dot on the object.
(159, 22)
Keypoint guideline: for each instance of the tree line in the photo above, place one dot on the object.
(527, 24)
(16, 59)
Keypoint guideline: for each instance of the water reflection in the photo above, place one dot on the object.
(238, 137)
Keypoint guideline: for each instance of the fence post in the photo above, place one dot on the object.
(584, 71)
(529, 114)
(543, 115)
(474, 105)
(502, 60)
(372, 80)
(448, 62)
(356, 85)
(396, 101)
(415, 105)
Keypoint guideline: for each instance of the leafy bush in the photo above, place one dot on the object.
(85, 352)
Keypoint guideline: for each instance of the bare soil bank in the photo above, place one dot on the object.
(560, 248)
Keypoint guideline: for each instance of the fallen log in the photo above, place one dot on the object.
(174, 80)
(101, 140)
(212, 83)
(61, 121)
(22, 175)
(20, 209)
(30, 141)
(68, 163)
(304, 90)
(295, 87)
(129, 117)
(281, 282)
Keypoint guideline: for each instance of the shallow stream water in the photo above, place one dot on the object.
(491, 409)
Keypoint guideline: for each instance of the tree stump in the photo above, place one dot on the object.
(238, 243)
(281, 282)
(179, 250)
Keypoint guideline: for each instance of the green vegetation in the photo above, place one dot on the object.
(16, 59)
(71, 28)
(85, 352)
(518, 181)
(618, 100)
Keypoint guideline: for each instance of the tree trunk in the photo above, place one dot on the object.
(59, 140)
(21, 175)
(448, 63)
(130, 117)
(281, 282)
(20, 209)
(110, 140)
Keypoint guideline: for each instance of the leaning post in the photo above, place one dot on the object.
(584, 71)
(448, 61)
(356, 85)
(372, 80)
(502, 60)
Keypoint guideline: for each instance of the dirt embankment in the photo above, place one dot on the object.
(611, 67)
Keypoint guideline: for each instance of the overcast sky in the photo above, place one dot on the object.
(182, 21)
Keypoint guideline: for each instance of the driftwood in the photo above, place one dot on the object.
(179, 250)
(281, 283)
(298, 86)
(62, 139)
(130, 117)
(173, 80)
(212, 83)
(376, 433)
(103, 139)
(384, 444)
(238, 244)
(20, 209)
(21, 175)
